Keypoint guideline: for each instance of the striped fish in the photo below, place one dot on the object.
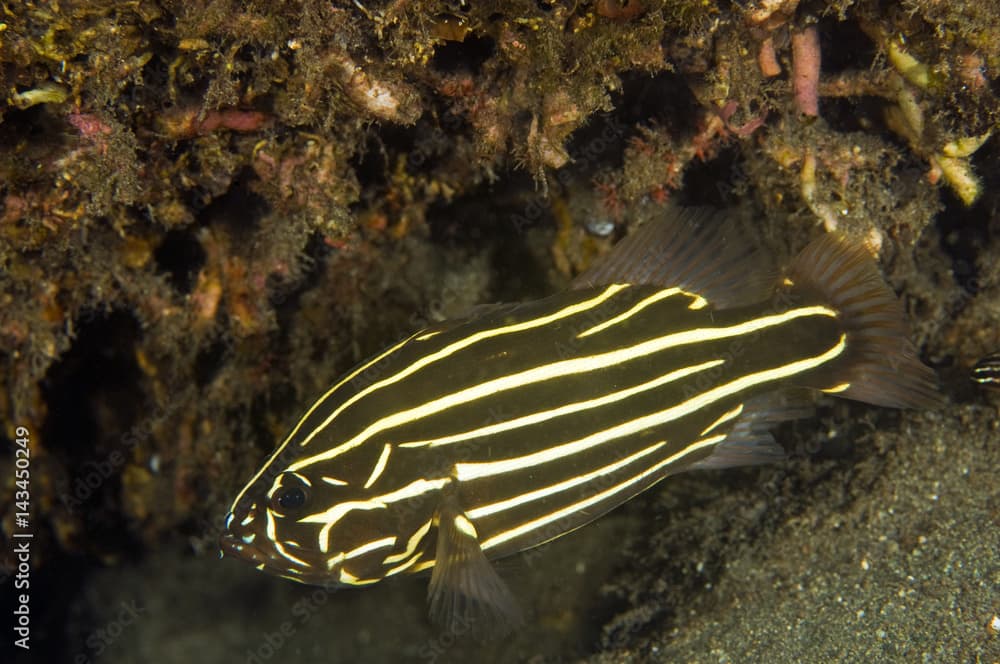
(477, 438)
(987, 371)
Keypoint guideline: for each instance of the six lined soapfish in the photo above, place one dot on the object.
(477, 438)
(986, 372)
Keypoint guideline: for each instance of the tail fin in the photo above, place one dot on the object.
(883, 367)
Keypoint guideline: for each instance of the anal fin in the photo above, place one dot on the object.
(466, 594)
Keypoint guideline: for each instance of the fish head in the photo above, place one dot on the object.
(264, 528)
(299, 521)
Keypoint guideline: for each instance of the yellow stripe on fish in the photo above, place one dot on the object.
(481, 437)
(986, 372)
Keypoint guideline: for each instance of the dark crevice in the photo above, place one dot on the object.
(239, 209)
(180, 256)
(964, 232)
(373, 162)
(844, 46)
(850, 114)
(963, 237)
(643, 100)
(93, 385)
(714, 183)
(94, 404)
(210, 360)
(499, 218)
(467, 55)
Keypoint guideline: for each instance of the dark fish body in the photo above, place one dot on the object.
(481, 437)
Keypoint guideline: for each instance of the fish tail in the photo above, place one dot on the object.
(880, 365)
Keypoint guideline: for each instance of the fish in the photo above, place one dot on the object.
(480, 437)
(986, 371)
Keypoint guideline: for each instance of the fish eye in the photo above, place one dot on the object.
(291, 494)
(291, 499)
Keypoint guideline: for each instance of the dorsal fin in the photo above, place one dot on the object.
(698, 249)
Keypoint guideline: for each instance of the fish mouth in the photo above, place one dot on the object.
(263, 560)
(230, 545)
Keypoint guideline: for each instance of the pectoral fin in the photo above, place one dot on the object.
(466, 594)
